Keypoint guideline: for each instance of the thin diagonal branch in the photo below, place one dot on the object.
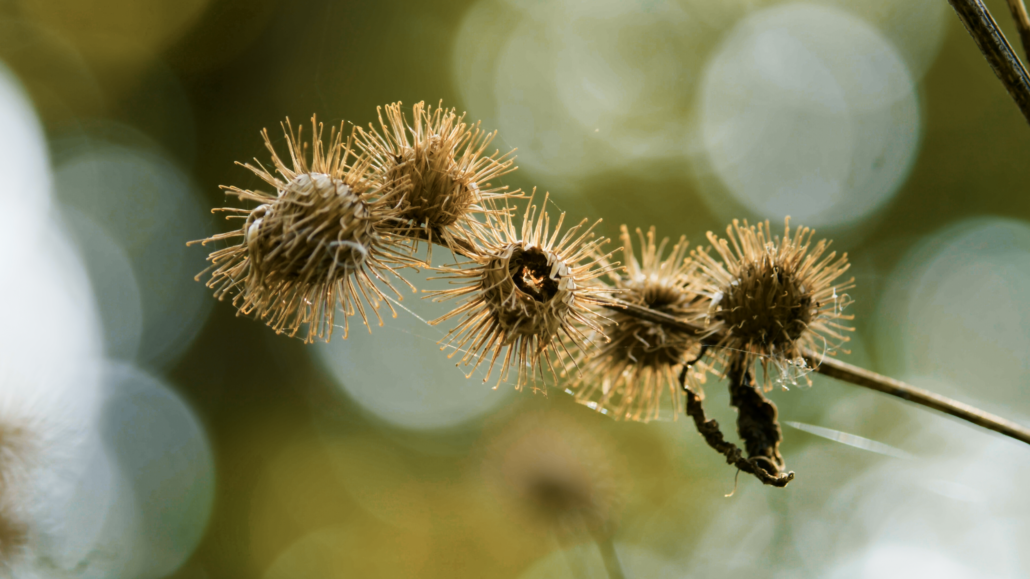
(861, 377)
(1018, 10)
(828, 366)
(996, 49)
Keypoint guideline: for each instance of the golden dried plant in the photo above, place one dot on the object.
(445, 162)
(318, 239)
(772, 297)
(526, 291)
(635, 369)
(335, 226)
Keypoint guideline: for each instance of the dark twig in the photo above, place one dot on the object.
(996, 49)
(757, 422)
(1018, 10)
(709, 430)
(823, 365)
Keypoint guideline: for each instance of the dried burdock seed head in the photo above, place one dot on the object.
(446, 164)
(316, 241)
(772, 297)
(637, 372)
(559, 475)
(18, 447)
(526, 291)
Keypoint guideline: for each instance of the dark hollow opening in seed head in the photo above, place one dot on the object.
(660, 296)
(529, 270)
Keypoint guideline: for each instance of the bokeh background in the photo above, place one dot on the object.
(183, 441)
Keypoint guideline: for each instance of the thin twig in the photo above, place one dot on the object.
(709, 430)
(1022, 23)
(827, 366)
(996, 49)
(861, 377)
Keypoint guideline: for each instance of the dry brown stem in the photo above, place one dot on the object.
(996, 49)
(862, 377)
(757, 422)
(1022, 23)
(834, 369)
(709, 430)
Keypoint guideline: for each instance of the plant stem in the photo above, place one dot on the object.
(757, 417)
(709, 430)
(1018, 10)
(821, 364)
(610, 557)
(861, 377)
(996, 49)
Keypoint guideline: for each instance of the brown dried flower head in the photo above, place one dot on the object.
(17, 447)
(526, 291)
(560, 475)
(317, 241)
(445, 163)
(773, 297)
(637, 372)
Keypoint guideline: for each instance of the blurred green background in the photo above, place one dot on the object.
(246, 454)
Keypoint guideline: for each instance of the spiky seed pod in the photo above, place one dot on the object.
(526, 291)
(446, 164)
(772, 297)
(631, 375)
(319, 239)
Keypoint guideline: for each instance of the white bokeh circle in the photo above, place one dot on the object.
(624, 71)
(581, 88)
(54, 339)
(916, 28)
(114, 284)
(808, 111)
(957, 309)
(398, 372)
(24, 162)
(160, 484)
(136, 198)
